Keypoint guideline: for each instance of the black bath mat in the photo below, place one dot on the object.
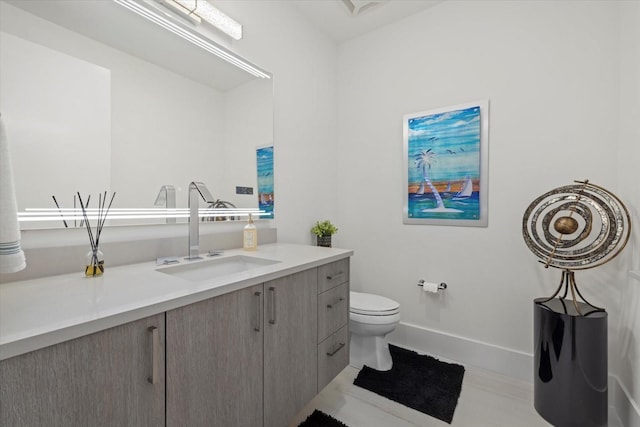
(417, 381)
(320, 419)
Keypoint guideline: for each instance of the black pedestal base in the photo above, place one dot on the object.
(570, 362)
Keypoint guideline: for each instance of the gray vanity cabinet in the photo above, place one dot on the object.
(214, 361)
(102, 379)
(250, 358)
(290, 346)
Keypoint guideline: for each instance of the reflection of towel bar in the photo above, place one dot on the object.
(442, 286)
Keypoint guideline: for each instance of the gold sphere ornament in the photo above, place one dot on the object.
(566, 225)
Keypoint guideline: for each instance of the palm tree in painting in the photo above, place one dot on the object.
(423, 162)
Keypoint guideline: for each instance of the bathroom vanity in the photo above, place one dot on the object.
(143, 345)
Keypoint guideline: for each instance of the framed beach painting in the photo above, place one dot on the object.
(446, 165)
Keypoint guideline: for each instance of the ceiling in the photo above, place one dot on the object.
(343, 20)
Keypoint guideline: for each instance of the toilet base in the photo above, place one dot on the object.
(372, 351)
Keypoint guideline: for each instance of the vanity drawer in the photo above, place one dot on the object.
(333, 274)
(333, 310)
(333, 356)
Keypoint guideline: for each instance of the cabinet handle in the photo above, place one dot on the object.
(339, 301)
(272, 292)
(336, 276)
(258, 311)
(155, 351)
(337, 349)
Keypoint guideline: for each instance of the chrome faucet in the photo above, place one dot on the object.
(196, 190)
(167, 197)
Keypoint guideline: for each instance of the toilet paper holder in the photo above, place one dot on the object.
(442, 286)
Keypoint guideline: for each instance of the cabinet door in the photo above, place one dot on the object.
(214, 361)
(290, 345)
(102, 379)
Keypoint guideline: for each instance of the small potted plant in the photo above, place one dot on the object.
(324, 230)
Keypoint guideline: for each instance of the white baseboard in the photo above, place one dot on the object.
(505, 361)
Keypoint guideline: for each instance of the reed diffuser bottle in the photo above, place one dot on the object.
(94, 263)
(94, 260)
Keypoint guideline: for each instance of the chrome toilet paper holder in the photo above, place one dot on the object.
(441, 286)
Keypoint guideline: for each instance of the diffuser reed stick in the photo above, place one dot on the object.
(86, 207)
(58, 206)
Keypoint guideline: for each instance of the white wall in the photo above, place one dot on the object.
(303, 62)
(626, 354)
(551, 71)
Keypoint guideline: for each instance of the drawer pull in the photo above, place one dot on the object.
(272, 292)
(337, 349)
(339, 301)
(155, 352)
(258, 311)
(336, 276)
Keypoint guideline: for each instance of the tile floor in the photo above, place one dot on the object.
(487, 400)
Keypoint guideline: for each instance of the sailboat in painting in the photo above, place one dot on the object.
(466, 191)
(447, 193)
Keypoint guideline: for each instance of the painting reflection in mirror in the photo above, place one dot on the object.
(264, 158)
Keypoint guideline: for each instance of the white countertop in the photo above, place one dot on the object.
(41, 312)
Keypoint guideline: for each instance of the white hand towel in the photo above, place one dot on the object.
(11, 254)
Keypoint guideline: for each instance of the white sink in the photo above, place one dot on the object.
(198, 271)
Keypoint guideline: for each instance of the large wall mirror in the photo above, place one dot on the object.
(95, 98)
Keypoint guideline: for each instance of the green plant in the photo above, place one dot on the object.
(324, 228)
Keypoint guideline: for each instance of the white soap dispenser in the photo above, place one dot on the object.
(250, 236)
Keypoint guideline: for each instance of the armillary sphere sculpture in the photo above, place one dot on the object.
(576, 227)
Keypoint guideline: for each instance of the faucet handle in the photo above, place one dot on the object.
(166, 260)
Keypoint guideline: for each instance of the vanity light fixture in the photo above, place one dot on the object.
(201, 10)
(199, 40)
(70, 214)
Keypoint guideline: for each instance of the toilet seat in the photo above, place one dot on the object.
(372, 305)
(367, 319)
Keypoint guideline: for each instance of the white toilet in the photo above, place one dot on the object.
(371, 318)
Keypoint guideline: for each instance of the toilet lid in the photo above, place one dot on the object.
(372, 305)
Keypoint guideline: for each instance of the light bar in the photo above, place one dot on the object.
(48, 214)
(196, 39)
(198, 10)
